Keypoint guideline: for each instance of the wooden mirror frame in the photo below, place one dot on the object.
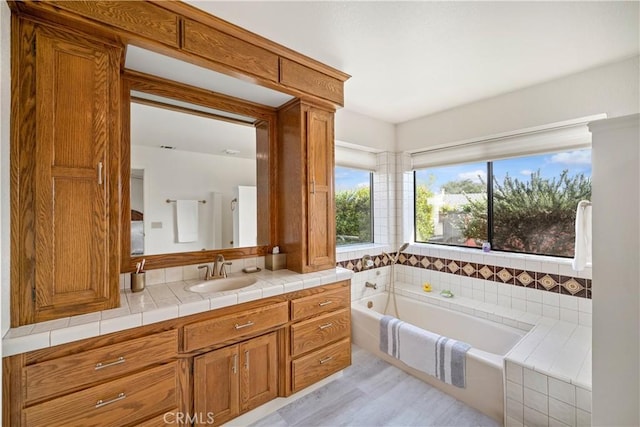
(266, 127)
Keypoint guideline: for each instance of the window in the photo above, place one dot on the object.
(523, 204)
(354, 206)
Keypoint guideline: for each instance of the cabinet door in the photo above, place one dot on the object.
(320, 212)
(259, 372)
(215, 389)
(76, 83)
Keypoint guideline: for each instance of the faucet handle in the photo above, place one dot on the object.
(223, 270)
(206, 274)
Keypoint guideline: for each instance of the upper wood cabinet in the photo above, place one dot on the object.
(65, 169)
(306, 187)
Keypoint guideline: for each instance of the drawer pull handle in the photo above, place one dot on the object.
(246, 325)
(326, 325)
(100, 403)
(101, 365)
(322, 304)
(325, 360)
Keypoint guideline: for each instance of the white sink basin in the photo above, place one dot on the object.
(219, 285)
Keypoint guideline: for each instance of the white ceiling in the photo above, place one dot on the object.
(410, 59)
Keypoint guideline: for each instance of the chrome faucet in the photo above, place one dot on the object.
(370, 285)
(218, 270)
(220, 266)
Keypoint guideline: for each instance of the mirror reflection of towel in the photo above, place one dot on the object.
(187, 220)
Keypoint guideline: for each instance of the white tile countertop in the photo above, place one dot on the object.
(552, 347)
(157, 303)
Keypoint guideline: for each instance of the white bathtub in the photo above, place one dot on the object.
(489, 342)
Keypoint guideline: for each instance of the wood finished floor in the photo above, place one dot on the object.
(374, 393)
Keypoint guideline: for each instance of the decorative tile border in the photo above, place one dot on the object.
(355, 265)
(566, 285)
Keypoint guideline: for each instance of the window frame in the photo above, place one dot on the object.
(371, 208)
(490, 214)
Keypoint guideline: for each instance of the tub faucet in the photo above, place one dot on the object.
(370, 285)
(367, 262)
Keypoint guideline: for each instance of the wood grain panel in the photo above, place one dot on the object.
(320, 364)
(71, 372)
(23, 145)
(321, 212)
(133, 398)
(259, 371)
(316, 332)
(233, 326)
(308, 80)
(72, 196)
(292, 174)
(216, 385)
(138, 17)
(316, 304)
(213, 44)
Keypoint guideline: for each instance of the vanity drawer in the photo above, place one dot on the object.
(318, 331)
(320, 364)
(313, 305)
(226, 328)
(122, 401)
(71, 372)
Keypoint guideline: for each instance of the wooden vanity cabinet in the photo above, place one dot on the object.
(129, 382)
(306, 187)
(65, 167)
(320, 341)
(235, 379)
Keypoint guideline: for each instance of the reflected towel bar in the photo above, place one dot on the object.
(173, 201)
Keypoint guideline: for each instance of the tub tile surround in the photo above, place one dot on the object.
(161, 301)
(548, 373)
(535, 399)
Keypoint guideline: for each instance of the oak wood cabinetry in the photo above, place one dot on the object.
(65, 170)
(214, 365)
(306, 187)
(320, 336)
(235, 379)
(124, 383)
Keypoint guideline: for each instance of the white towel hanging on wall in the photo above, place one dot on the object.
(582, 253)
(187, 220)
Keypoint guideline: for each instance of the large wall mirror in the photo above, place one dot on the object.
(198, 177)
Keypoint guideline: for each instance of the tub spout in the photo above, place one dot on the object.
(370, 285)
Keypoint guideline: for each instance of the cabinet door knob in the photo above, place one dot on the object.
(234, 368)
(246, 360)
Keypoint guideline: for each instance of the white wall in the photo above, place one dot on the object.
(363, 130)
(175, 174)
(616, 272)
(611, 89)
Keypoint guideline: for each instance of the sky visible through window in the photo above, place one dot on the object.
(350, 179)
(550, 165)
